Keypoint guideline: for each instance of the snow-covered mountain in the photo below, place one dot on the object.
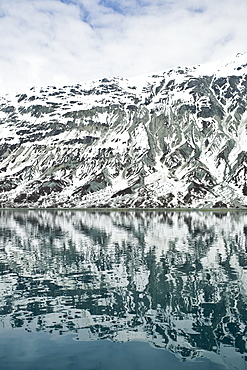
(173, 139)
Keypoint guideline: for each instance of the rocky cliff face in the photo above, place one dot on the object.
(173, 139)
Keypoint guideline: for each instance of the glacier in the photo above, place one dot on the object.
(173, 139)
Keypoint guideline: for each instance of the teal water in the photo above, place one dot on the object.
(123, 290)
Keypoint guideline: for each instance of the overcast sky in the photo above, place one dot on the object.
(47, 42)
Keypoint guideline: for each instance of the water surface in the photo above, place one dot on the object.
(123, 290)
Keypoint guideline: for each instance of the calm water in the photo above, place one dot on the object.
(123, 290)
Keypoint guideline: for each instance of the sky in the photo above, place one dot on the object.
(63, 42)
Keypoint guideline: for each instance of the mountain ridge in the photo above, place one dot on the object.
(177, 138)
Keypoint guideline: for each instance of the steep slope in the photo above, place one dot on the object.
(173, 139)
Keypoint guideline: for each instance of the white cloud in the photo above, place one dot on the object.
(51, 41)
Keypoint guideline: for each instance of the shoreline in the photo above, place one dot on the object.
(96, 209)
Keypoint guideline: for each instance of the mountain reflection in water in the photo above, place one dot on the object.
(177, 280)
